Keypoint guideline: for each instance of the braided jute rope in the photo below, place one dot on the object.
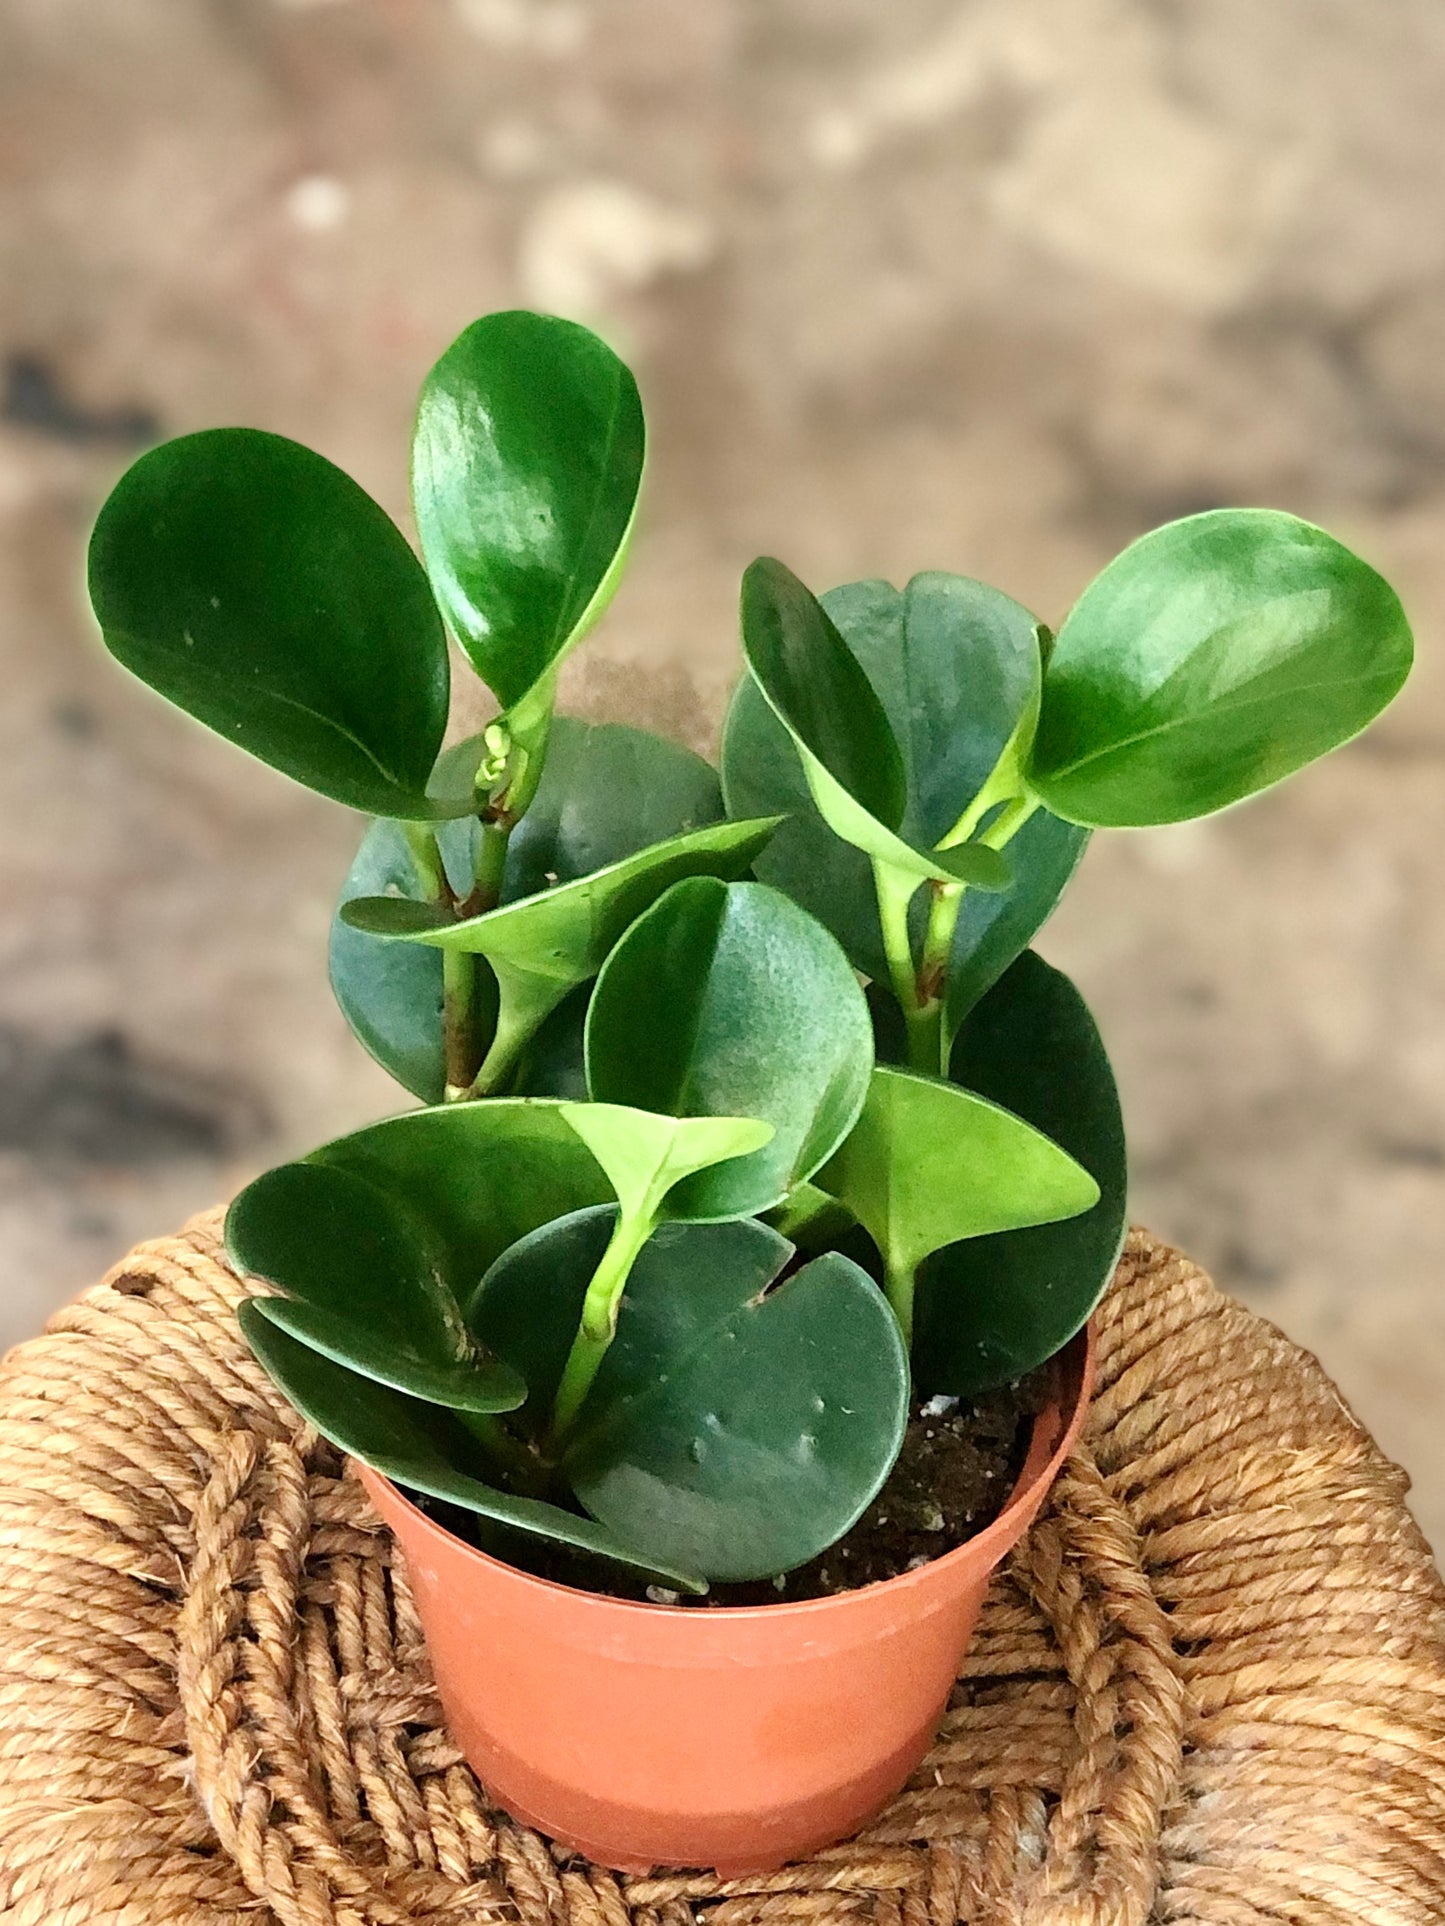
(1209, 1688)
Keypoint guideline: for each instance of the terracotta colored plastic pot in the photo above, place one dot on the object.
(735, 1738)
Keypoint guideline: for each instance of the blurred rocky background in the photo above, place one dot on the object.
(988, 285)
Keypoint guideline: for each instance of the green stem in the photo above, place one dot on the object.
(599, 1316)
(515, 1030)
(490, 867)
(1010, 822)
(426, 856)
(922, 1011)
(898, 1285)
(460, 1013)
(1001, 785)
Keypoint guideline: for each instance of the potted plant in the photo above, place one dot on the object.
(720, 1319)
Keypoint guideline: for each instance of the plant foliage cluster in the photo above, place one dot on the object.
(748, 1112)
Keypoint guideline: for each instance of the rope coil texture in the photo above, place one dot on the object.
(1209, 1688)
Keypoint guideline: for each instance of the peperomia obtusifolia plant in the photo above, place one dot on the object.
(749, 1114)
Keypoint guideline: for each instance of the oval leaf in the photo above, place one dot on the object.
(991, 1309)
(727, 1000)
(459, 1170)
(955, 665)
(1213, 658)
(851, 759)
(928, 1163)
(363, 1285)
(734, 1429)
(425, 1448)
(257, 587)
(526, 465)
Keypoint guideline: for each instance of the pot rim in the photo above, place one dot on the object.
(1073, 1366)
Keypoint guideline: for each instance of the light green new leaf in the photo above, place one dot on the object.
(1213, 658)
(257, 587)
(426, 1449)
(526, 465)
(542, 946)
(855, 771)
(727, 1000)
(928, 1164)
(363, 1285)
(645, 1155)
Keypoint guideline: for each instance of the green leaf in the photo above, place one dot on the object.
(735, 1429)
(1213, 658)
(955, 665)
(261, 590)
(545, 945)
(606, 792)
(425, 1448)
(363, 1285)
(460, 1168)
(646, 1155)
(993, 930)
(526, 465)
(993, 1308)
(855, 770)
(928, 1163)
(727, 1000)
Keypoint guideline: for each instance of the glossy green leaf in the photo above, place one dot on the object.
(542, 946)
(928, 1163)
(646, 1156)
(955, 666)
(526, 465)
(426, 1448)
(606, 792)
(727, 1000)
(478, 1175)
(363, 1285)
(993, 1308)
(737, 1427)
(261, 590)
(1213, 658)
(855, 771)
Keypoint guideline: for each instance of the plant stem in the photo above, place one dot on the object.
(462, 1047)
(426, 856)
(599, 1317)
(1010, 822)
(898, 1285)
(513, 1033)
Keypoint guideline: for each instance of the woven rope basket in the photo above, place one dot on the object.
(1209, 1688)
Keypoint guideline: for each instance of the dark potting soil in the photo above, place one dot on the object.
(959, 1462)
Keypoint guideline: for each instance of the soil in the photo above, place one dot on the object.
(958, 1464)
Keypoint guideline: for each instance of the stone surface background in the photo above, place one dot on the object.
(990, 286)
